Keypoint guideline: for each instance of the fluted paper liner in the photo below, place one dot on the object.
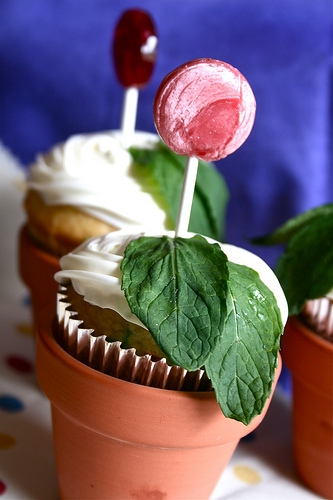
(111, 359)
(318, 315)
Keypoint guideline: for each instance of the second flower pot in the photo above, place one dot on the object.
(310, 360)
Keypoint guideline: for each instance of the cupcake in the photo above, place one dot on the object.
(91, 185)
(127, 418)
(77, 191)
(95, 315)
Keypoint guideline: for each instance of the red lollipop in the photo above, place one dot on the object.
(205, 109)
(134, 51)
(134, 48)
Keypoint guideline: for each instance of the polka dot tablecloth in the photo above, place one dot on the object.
(261, 467)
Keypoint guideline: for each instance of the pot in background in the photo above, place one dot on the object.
(310, 361)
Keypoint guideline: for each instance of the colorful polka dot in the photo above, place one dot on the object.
(3, 487)
(247, 474)
(26, 300)
(25, 329)
(19, 364)
(10, 403)
(6, 441)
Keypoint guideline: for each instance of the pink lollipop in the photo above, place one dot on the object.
(205, 109)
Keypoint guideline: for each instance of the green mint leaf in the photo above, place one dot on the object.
(161, 173)
(242, 365)
(305, 269)
(177, 288)
(284, 233)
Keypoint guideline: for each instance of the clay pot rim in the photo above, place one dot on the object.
(104, 378)
(33, 247)
(205, 422)
(308, 356)
(54, 347)
(311, 335)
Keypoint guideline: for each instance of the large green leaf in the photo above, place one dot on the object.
(161, 172)
(243, 363)
(177, 288)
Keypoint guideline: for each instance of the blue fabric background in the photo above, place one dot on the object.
(57, 79)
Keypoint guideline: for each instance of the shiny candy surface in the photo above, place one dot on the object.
(134, 48)
(204, 108)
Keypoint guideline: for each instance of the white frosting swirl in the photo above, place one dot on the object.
(94, 270)
(93, 172)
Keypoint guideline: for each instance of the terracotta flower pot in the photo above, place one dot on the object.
(115, 439)
(310, 360)
(37, 269)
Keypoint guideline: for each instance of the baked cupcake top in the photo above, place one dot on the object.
(126, 187)
(93, 172)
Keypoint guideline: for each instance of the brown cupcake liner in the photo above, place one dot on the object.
(318, 315)
(111, 359)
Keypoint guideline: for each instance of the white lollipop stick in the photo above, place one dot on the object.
(186, 199)
(128, 117)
